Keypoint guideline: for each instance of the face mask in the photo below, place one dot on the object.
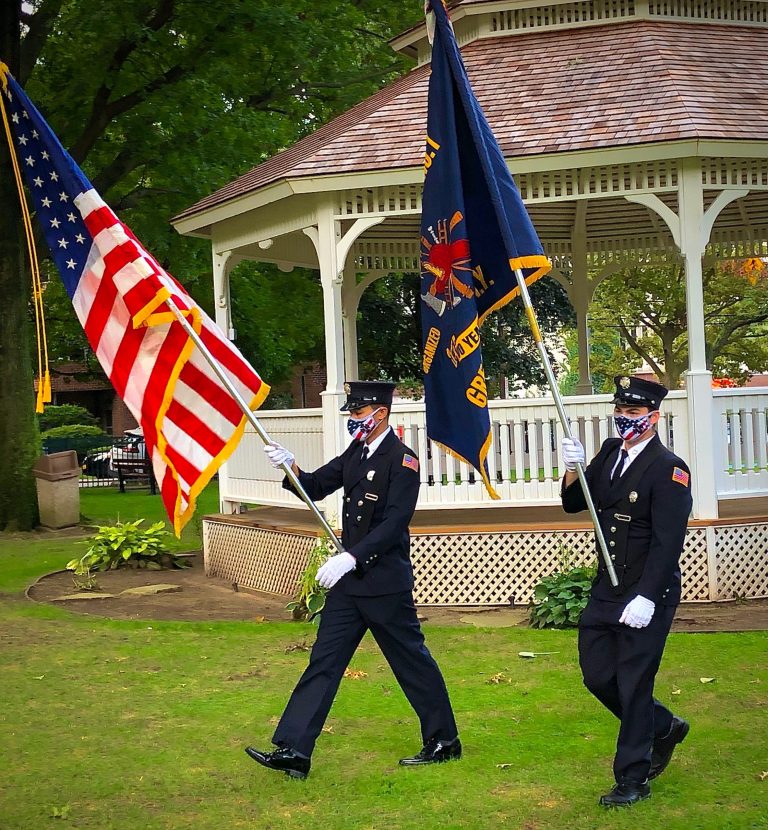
(630, 428)
(360, 430)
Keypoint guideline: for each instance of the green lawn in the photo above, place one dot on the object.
(128, 725)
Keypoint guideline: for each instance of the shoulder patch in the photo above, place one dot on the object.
(680, 476)
(411, 462)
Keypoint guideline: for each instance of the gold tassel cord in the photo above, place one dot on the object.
(43, 371)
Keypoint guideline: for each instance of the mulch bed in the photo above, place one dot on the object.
(205, 598)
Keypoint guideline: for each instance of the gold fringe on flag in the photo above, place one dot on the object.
(43, 371)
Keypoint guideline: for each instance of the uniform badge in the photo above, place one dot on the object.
(411, 463)
(633, 497)
(370, 474)
(680, 476)
(625, 382)
(347, 388)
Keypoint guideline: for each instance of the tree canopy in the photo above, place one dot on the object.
(161, 102)
(639, 316)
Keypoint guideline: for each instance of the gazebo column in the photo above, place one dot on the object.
(581, 295)
(332, 248)
(351, 294)
(326, 236)
(691, 229)
(350, 301)
(698, 379)
(223, 263)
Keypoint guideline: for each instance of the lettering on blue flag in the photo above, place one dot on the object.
(475, 236)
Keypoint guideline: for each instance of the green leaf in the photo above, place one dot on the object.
(315, 603)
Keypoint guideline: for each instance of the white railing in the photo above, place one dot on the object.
(524, 461)
(247, 477)
(741, 430)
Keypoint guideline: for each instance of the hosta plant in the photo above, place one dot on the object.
(560, 598)
(127, 545)
(309, 599)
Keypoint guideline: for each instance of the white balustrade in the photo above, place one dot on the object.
(248, 478)
(742, 442)
(523, 461)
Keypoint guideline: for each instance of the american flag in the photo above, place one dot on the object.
(121, 295)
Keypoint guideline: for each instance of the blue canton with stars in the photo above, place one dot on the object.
(54, 180)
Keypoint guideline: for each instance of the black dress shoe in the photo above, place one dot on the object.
(434, 752)
(626, 794)
(283, 759)
(664, 747)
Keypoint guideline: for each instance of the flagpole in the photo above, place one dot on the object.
(252, 419)
(533, 323)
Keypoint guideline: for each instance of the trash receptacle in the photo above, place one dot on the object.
(58, 489)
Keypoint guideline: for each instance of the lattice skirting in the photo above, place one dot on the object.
(491, 568)
(254, 557)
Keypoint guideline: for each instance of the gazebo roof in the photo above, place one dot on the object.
(627, 83)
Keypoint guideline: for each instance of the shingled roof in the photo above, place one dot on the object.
(628, 83)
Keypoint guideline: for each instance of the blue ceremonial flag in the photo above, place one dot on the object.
(475, 232)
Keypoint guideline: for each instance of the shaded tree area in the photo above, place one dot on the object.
(161, 102)
(639, 316)
(389, 333)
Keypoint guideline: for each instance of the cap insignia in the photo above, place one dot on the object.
(624, 383)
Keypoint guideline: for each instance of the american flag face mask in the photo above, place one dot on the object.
(630, 428)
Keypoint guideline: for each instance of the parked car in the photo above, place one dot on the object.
(130, 446)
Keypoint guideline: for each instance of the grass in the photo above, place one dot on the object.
(122, 725)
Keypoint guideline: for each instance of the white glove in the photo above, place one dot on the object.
(332, 570)
(572, 452)
(638, 613)
(278, 454)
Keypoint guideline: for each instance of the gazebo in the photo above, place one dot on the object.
(633, 129)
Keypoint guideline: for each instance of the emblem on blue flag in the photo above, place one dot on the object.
(475, 234)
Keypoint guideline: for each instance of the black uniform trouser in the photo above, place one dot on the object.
(619, 666)
(345, 619)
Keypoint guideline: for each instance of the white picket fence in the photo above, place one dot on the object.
(742, 442)
(524, 461)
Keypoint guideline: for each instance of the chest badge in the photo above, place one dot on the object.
(633, 497)
(370, 474)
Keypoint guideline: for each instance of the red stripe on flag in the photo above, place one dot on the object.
(122, 365)
(196, 428)
(184, 468)
(99, 220)
(100, 311)
(169, 491)
(211, 392)
(230, 360)
(165, 361)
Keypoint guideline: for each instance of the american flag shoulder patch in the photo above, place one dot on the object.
(411, 462)
(680, 476)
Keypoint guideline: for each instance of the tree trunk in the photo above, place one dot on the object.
(19, 439)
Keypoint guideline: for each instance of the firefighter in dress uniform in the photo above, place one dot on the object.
(370, 587)
(642, 495)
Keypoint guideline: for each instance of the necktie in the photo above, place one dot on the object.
(619, 468)
(364, 454)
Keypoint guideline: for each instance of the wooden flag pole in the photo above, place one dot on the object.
(252, 419)
(533, 323)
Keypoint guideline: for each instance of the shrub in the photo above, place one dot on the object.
(129, 545)
(310, 596)
(64, 415)
(74, 431)
(561, 597)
